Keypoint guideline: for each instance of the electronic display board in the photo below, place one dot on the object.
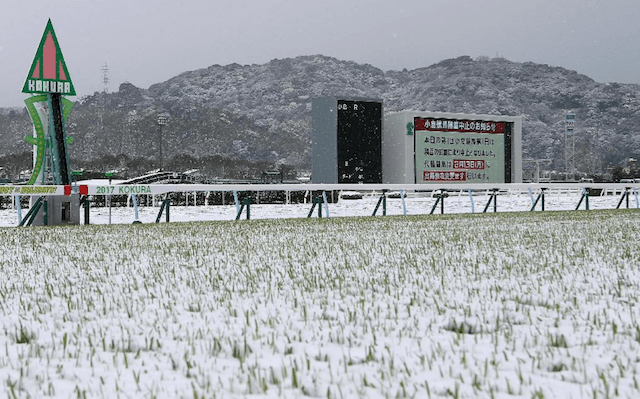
(469, 151)
(359, 141)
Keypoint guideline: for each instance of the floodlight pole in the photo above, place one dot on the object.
(163, 118)
(109, 175)
(570, 147)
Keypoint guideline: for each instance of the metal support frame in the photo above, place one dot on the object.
(45, 212)
(316, 201)
(440, 200)
(60, 160)
(625, 195)
(166, 204)
(540, 197)
(85, 204)
(492, 197)
(382, 200)
(41, 202)
(245, 202)
(585, 198)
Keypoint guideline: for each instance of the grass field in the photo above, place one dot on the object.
(531, 305)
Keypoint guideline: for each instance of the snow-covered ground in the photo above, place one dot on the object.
(528, 305)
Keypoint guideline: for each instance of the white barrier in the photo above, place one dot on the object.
(155, 189)
(488, 193)
(503, 188)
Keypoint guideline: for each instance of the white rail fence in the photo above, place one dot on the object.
(480, 196)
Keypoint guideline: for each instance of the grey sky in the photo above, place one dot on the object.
(146, 42)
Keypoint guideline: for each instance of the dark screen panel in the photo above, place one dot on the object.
(359, 142)
(508, 138)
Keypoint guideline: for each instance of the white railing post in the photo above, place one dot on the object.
(404, 205)
(16, 200)
(473, 210)
(326, 204)
(235, 197)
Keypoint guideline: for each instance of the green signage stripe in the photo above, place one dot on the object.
(40, 140)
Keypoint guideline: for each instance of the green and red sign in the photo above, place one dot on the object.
(48, 73)
(452, 151)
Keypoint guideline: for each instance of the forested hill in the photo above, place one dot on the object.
(263, 112)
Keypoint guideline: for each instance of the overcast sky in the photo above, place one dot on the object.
(146, 42)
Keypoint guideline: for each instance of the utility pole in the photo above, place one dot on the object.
(105, 78)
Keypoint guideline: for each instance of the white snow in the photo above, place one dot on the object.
(525, 305)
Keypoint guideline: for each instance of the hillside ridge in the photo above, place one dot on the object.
(262, 112)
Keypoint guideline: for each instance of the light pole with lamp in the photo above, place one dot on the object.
(109, 176)
(163, 119)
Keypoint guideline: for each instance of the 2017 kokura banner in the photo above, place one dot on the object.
(450, 151)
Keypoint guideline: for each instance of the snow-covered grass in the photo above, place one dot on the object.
(525, 305)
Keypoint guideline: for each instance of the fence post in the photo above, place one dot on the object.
(312, 208)
(586, 193)
(540, 197)
(245, 202)
(326, 203)
(384, 204)
(440, 199)
(166, 203)
(382, 200)
(493, 197)
(585, 197)
(45, 211)
(436, 204)
(135, 209)
(240, 211)
(533, 202)
(86, 209)
(404, 206)
(495, 200)
(28, 219)
(625, 194)
(17, 198)
(235, 197)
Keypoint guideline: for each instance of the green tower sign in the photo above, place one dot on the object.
(48, 73)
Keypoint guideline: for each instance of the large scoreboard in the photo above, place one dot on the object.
(347, 141)
(433, 147)
(457, 150)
